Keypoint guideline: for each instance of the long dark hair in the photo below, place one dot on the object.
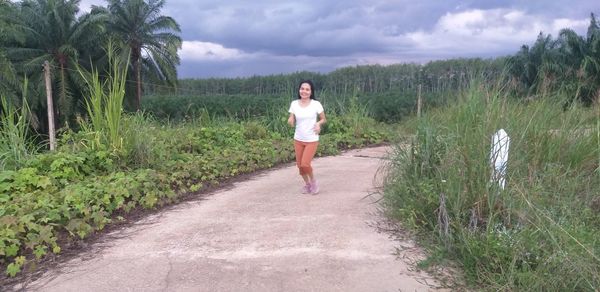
(312, 89)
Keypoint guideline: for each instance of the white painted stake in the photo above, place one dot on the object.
(499, 156)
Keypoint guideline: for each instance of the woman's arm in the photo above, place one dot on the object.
(291, 119)
(322, 120)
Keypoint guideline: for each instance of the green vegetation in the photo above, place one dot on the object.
(569, 64)
(105, 103)
(50, 31)
(390, 106)
(139, 23)
(434, 77)
(34, 31)
(15, 145)
(239, 107)
(540, 232)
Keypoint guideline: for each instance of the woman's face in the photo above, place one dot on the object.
(305, 91)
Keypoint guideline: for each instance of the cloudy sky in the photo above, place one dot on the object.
(238, 38)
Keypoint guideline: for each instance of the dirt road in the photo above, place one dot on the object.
(258, 235)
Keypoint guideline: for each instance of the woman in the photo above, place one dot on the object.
(303, 115)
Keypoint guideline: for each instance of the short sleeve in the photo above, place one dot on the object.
(319, 108)
(291, 110)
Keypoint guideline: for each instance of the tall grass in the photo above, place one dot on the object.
(540, 232)
(597, 105)
(15, 143)
(105, 103)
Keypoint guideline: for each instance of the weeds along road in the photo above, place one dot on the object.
(258, 235)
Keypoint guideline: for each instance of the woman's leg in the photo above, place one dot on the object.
(299, 148)
(305, 152)
(309, 153)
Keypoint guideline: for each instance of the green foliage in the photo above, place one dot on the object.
(238, 107)
(105, 103)
(434, 77)
(390, 106)
(53, 31)
(34, 31)
(569, 63)
(534, 234)
(15, 144)
(150, 38)
(387, 93)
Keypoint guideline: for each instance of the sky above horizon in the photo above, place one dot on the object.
(264, 37)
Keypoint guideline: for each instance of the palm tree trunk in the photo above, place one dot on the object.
(64, 103)
(138, 76)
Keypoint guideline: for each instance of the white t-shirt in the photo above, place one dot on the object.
(306, 118)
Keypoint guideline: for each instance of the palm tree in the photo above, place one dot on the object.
(53, 32)
(533, 65)
(582, 55)
(9, 82)
(150, 37)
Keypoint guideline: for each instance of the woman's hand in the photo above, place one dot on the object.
(317, 128)
(322, 120)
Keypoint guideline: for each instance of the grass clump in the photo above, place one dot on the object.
(540, 231)
(15, 142)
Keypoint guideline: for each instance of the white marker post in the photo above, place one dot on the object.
(499, 157)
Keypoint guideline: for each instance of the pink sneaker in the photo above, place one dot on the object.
(314, 188)
(306, 189)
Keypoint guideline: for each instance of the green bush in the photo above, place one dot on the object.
(239, 106)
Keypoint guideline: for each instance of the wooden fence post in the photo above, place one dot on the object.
(419, 101)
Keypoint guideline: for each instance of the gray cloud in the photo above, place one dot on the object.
(242, 38)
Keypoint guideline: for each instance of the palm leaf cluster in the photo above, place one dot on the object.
(569, 63)
(34, 31)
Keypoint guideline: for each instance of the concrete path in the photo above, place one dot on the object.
(259, 235)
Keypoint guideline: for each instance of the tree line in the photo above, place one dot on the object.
(435, 76)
